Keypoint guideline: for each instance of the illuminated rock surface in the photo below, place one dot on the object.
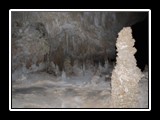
(126, 74)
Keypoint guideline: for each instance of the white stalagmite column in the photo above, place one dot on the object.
(126, 74)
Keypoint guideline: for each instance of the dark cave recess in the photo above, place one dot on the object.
(140, 32)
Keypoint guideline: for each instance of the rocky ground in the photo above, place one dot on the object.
(43, 90)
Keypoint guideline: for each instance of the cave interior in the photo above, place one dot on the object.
(65, 59)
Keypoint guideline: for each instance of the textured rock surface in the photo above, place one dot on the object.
(126, 75)
(42, 90)
(40, 38)
(29, 46)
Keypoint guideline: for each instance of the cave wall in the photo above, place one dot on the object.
(39, 38)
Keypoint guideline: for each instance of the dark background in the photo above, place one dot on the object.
(140, 33)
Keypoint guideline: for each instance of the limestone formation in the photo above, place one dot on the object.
(68, 66)
(126, 74)
(64, 76)
(41, 37)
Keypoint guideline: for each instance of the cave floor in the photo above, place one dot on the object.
(42, 90)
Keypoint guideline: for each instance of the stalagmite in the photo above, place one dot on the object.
(126, 74)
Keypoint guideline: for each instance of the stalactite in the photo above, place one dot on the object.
(66, 37)
(83, 68)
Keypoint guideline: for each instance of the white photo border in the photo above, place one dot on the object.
(79, 109)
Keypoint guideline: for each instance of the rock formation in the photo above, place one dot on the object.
(40, 38)
(126, 74)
